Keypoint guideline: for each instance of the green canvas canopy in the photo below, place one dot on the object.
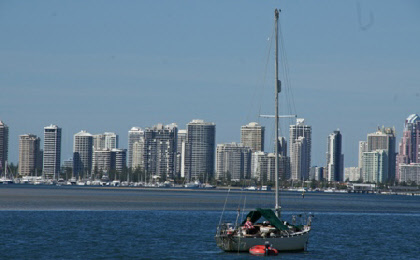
(269, 215)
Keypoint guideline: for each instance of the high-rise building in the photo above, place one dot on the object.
(282, 143)
(4, 144)
(52, 151)
(263, 167)
(160, 150)
(118, 159)
(384, 139)
(29, 154)
(180, 153)
(259, 166)
(98, 142)
(107, 140)
(138, 150)
(316, 173)
(362, 148)
(298, 160)
(410, 172)
(134, 135)
(82, 153)
(101, 161)
(352, 174)
(375, 166)
(233, 159)
(111, 140)
(300, 149)
(409, 147)
(252, 135)
(200, 150)
(335, 159)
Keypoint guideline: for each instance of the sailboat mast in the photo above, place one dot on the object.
(277, 90)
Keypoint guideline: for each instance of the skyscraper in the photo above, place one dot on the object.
(134, 135)
(335, 159)
(28, 154)
(200, 149)
(384, 139)
(160, 150)
(252, 135)
(52, 151)
(298, 159)
(375, 166)
(300, 149)
(362, 149)
(409, 147)
(180, 153)
(233, 159)
(4, 144)
(111, 140)
(118, 159)
(82, 153)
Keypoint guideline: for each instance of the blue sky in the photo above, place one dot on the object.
(110, 65)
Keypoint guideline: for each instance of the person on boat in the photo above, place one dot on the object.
(249, 227)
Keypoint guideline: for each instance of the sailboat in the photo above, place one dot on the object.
(4, 179)
(276, 232)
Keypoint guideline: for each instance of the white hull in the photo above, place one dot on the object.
(296, 242)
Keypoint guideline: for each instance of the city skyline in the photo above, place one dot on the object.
(109, 74)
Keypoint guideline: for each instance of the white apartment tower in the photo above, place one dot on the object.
(335, 159)
(300, 149)
(52, 151)
(82, 153)
(252, 135)
(134, 135)
(180, 153)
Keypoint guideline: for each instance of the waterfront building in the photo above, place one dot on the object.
(409, 172)
(160, 150)
(68, 163)
(263, 167)
(252, 135)
(316, 173)
(138, 154)
(82, 154)
(298, 159)
(134, 135)
(259, 166)
(180, 153)
(362, 148)
(29, 154)
(101, 162)
(300, 149)
(107, 140)
(352, 174)
(118, 159)
(4, 144)
(409, 147)
(335, 159)
(111, 140)
(200, 150)
(233, 159)
(384, 139)
(375, 166)
(52, 151)
(282, 143)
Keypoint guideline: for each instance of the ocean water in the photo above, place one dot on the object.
(346, 226)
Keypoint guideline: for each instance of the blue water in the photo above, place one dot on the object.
(359, 232)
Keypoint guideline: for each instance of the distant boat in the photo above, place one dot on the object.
(4, 179)
(278, 233)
